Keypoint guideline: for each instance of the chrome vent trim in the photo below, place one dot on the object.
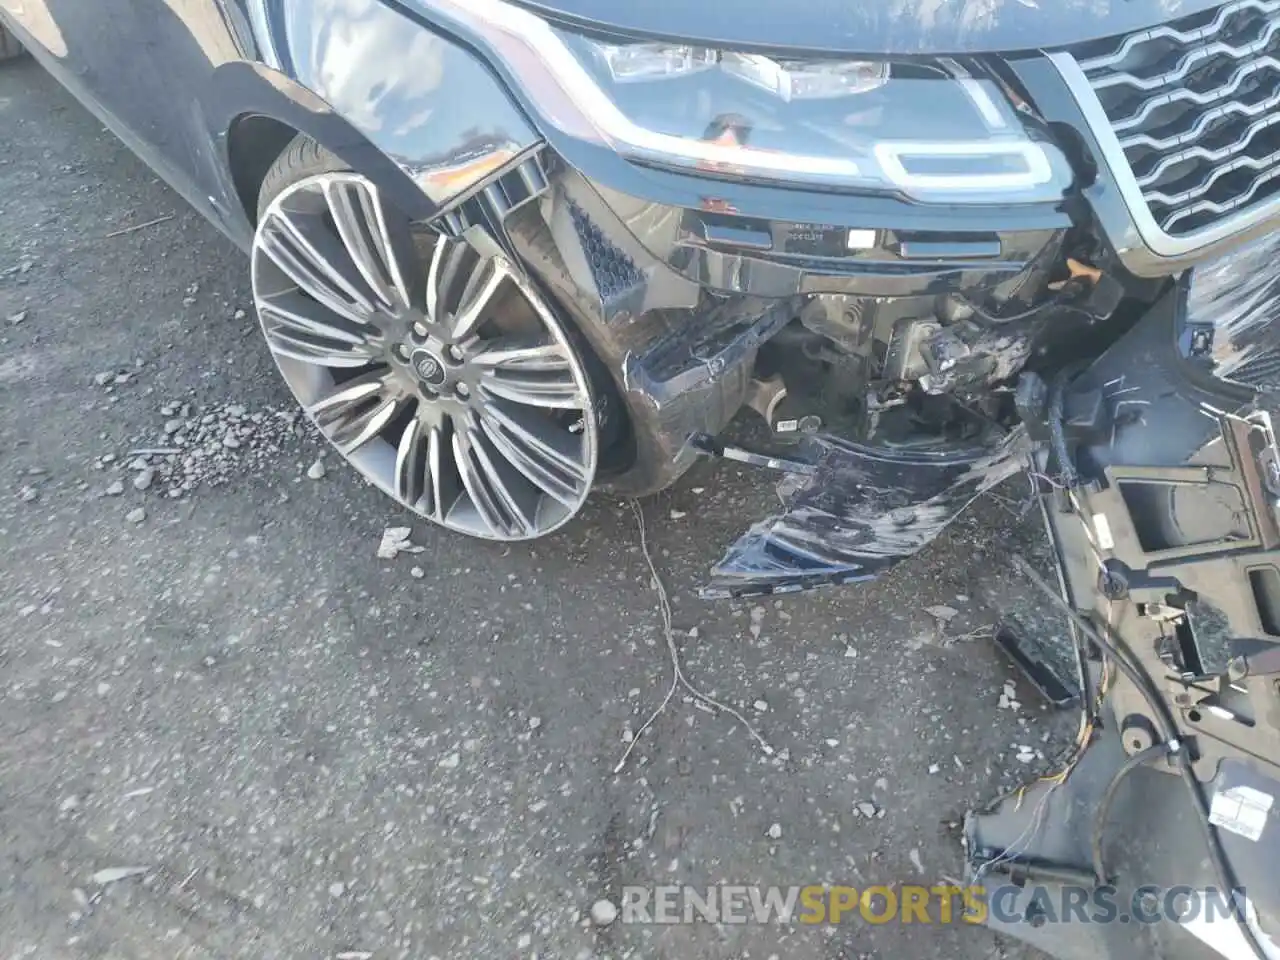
(1188, 119)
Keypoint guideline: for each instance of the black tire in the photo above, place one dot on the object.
(302, 158)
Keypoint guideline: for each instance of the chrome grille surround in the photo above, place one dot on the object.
(1187, 115)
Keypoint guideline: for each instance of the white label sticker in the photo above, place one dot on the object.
(1100, 523)
(1241, 810)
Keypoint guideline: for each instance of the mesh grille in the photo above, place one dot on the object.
(1195, 104)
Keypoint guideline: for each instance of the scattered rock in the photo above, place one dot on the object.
(102, 379)
(136, 515)
(942, 612)
(866, 808)
(337, 889)
(316, 471)
(172, 426)
(535, 723)
(17, 318)
(115, 488)
(451, 761)
(69, 803)
(603, 913)
(121, 378)
(775, 831)
(231, 441)
(760, 706)
(28, 494)
(417, 573)
(144, 478)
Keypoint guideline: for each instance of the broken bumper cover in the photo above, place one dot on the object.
(1163, 512)
(850, 511)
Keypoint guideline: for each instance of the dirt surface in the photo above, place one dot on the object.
(313, 752)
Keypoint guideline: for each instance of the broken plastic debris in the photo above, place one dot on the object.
(112, 874)
(395, 541)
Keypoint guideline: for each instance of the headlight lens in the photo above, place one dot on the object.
(929, 131)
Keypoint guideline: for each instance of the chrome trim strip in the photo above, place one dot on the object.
(1159, 242)
(1188, 60)
(1208, 30)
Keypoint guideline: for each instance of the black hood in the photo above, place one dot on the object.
(875, 26)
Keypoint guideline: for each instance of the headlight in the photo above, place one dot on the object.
(930, 131)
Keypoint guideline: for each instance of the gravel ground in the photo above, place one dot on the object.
(207, 672)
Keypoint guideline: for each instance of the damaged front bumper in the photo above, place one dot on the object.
(852, 510)
(1159, 476)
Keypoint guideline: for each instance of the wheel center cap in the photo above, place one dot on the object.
(428, 366)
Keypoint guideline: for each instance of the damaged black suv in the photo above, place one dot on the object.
(506, 252)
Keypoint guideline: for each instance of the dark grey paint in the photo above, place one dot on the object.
(173, 77)
(877, 26)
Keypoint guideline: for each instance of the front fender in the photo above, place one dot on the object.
(417, 113)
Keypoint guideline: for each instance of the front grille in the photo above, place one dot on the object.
(1195, 104)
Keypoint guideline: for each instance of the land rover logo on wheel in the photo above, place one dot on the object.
(429, 367)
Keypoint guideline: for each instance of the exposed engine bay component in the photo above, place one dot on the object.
(1160, 481)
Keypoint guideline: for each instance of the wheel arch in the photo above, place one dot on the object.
(381, 91)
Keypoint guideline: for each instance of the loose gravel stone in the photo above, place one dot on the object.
(603, 913)
(115, 488)
(144, 478)
(136, 515)
(316, 471)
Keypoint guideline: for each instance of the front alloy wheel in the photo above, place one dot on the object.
(436, 370)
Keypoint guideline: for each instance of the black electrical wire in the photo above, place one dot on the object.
(1104, 808)
(986, 318)
(1172, 743)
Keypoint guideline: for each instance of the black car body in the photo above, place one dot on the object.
(928, 242)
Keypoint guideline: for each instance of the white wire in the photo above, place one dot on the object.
(678, 678)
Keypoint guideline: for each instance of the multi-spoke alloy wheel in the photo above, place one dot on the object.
(438, 372)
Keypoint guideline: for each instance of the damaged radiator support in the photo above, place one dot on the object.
(1160, 480)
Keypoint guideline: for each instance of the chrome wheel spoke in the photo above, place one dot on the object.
(535, 470)
(534, 390)
(358, 216)
(446, 261)
(435, 470)
(544, 453)
(468, 318)
(479, 492)
(411, 463)
(359, 409)
(519, 356)
(316, 261)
